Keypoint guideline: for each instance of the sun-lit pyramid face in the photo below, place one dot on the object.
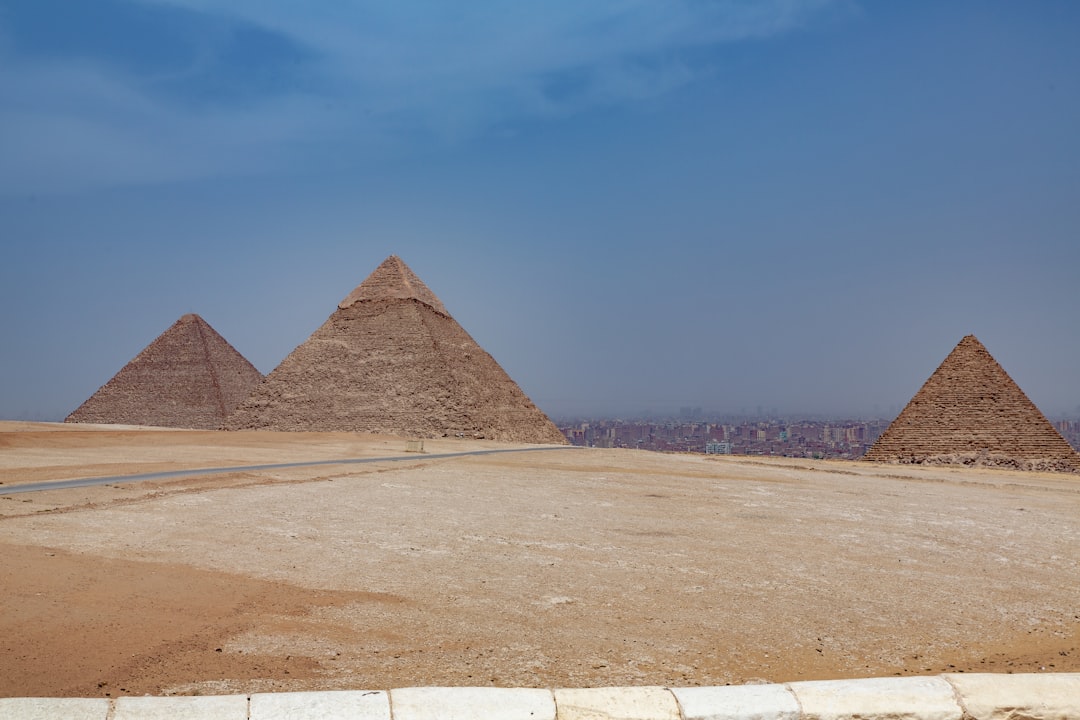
(188, 377)
(391, 359)
(971, 412)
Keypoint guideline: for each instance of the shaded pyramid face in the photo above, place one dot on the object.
(391, 360)
(971, 412)
(189, 377)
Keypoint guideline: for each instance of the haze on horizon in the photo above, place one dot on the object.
(793, 204)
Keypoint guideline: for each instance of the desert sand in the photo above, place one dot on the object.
(561, 568)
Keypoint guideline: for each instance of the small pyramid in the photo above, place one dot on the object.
(971, 412)
(189, 377)
(391, 359)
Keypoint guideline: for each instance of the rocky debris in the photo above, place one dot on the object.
(188, 377)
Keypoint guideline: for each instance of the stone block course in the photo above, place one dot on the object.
(615, 703)
(185, 707)
(327, 705)
(901, 698)
(737, 702)
(989, 696)
(54, 709)
(465, 703)
(1051, 696)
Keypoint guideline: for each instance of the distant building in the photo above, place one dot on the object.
(718, 448)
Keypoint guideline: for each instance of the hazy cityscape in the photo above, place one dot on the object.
(694, 432)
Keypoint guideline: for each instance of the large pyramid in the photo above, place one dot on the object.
(391, 360)
(189, 377)
(971, 412)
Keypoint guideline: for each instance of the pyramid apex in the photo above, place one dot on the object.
(393, 280)
(969, 341)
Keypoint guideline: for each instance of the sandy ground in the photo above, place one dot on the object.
(561, 568)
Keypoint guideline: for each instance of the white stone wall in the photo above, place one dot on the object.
(942, 697)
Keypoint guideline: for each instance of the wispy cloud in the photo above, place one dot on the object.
(66, 128)
(410, 56)
(174, 89)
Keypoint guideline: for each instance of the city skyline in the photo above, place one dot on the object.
(837, 438)
(800, 205)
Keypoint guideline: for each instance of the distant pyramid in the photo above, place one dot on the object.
(189, 377)
(391, 360)
(971, 412)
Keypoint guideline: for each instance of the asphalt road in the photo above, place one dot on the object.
(113, 479)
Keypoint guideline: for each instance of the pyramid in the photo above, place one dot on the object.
(971, 412)
(189, 377)
(391, 359)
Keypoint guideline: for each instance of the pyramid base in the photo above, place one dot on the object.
(986, 459)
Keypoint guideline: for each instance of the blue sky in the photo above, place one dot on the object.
(634, 205)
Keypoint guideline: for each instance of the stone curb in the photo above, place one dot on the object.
(943, 697)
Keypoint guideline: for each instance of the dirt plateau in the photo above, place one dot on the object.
(560, 568)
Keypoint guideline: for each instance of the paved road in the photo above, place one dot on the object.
(84, 482)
